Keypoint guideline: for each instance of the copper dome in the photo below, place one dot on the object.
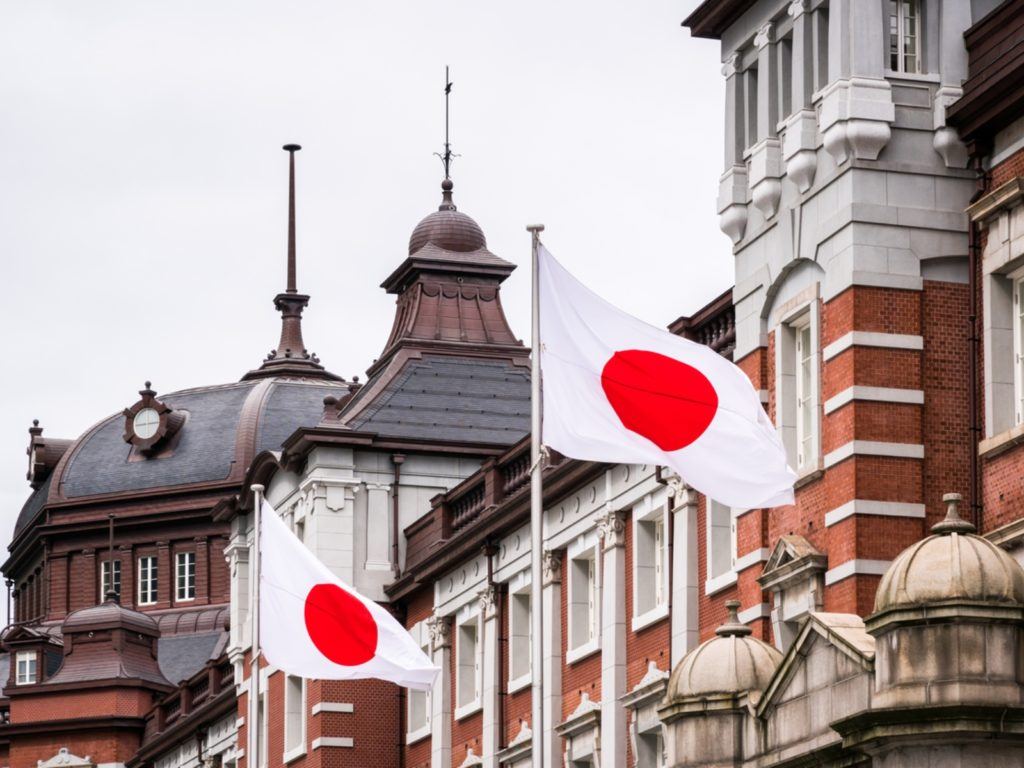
(447, 228)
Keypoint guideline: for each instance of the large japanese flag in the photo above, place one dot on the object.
(619, 390)
(313, 625)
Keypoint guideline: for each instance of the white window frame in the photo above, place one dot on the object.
(791, 420)
(1017, 320)
(903, 26)
(468, 620)
(150, 585)
(297, 749)
(179, 558)
(650, 542)
(520, 632)
(584, 549)
(29, 661)
(715, 579)
(105, 568)
(421, 634)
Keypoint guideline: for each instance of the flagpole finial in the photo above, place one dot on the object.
(256, 488)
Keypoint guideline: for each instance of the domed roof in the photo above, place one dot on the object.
(447, 228)
(953, 564)
(732, 662)
(226, 427)
(108, 615)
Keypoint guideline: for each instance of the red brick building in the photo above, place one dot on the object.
(871, 192)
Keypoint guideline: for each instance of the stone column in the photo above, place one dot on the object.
(954, 19)
(856, 109)
(766, 155)
(800, 137)
(685, 627)
(612, 528)
(732, 186)
(441, 696)
(491, 729)
(551, 665)
(378, 527)
(236, 553)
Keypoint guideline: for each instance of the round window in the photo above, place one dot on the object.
(146, 423)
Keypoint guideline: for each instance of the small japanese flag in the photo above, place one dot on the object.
(313, 625)
(619, 390)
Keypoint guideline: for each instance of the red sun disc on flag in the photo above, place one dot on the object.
(665, 400)
(340, 626)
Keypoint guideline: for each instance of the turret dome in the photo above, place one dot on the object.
(447, 228)
(953, 564)
(730, 663)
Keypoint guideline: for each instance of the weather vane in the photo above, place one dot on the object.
(447, 156)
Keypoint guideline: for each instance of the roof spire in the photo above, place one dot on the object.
(291, 358)
(447, 156)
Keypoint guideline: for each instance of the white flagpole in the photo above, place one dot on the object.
(253, 756)
(536, 516)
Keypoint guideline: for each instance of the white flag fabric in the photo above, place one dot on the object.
(616, 389)
(313, 625)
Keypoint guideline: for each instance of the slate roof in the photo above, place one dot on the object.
(181, 656)
(451, 398)
(205, 452)
(101, 462)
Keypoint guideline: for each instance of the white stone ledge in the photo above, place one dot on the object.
(873, 448)
(758, 611)
(751, 558)
(877, 508)
(720, 582)
(875, 395)
(333, 741)
(856, 568)
(333, 706)
(872, 339)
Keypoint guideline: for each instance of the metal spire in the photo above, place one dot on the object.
(447, 156)
(291, 149)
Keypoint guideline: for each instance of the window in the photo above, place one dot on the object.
(650, 562)
(105, 584)
(262, 723)
(418, 702)
(147, 580)
(820, 35)
(583, 602)
(467, 673)
(185, 578)
(300, 530)
(294, 715)
(904, 36)
(650, 750)
(146, 423)
(520, 633)
(26, 670)
(1018, 349)
(798, 388)
(784, 50)
(750, 98)
(721, 547)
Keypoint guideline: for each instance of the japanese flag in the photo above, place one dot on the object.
(313, 625)
(616, 389)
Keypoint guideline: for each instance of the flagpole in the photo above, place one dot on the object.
(536, 513)
(253, 757)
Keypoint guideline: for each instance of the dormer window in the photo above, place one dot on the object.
(25, 667)
(151, 425)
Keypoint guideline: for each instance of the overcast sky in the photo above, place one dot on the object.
(143, 188)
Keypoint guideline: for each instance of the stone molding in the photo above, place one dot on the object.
(611, 527)
(552, 566)
(440, 629)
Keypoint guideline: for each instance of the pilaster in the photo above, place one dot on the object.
(551, 666)
(801, 126)
(441, 696)
(491, 730)
(732, 186)
(685, 626)
(612, 528)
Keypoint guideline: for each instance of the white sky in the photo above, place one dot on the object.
(143, 188)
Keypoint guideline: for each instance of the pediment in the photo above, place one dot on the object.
(791, 556)
(64, 759)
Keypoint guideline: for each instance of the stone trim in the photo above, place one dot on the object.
(751, 558)
(873, 448)
(872, 339)
(856, 568)
(754, 612)
(333, 706)
(1003, 197)
(877, 508)
(333, 741)
(876, 395)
